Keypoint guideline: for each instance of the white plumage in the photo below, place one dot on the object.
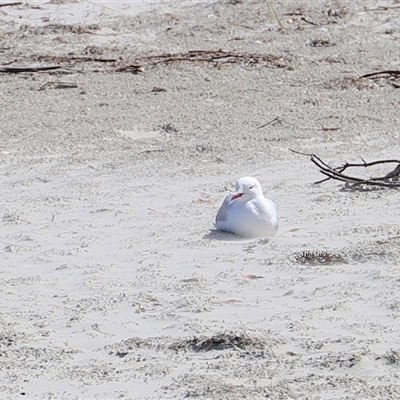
(247, 212)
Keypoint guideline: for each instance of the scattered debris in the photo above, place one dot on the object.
(392, 357)
(390, 76)
(318, 258)
(320, 43)
(221, 341)
(216, 56)
(121, 354)
(252, 277)
(169, 128)
(158, 89)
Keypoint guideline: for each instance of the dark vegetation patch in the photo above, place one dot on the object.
(221, 341)
(318, 258)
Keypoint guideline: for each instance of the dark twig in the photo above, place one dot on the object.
(308, 22)
(17, 70)
(388, 72)
(268, 123)
(390, 180)
(17, 3)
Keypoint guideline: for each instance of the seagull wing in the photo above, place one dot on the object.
(223, 210)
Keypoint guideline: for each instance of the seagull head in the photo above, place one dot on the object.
(247, 188)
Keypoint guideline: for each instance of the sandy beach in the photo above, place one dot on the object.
(123, 126)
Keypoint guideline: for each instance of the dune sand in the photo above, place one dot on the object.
(114, 164)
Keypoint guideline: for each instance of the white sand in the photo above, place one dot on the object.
(109, 191)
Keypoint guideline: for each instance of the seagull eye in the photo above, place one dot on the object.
(251, 187)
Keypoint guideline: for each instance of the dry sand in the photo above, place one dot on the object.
(112, 283)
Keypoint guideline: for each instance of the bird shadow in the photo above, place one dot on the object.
(214, 234)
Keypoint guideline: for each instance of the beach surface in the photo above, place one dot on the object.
(123, 126)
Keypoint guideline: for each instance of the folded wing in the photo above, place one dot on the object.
(223, 210)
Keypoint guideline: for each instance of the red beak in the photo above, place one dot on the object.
(236, 195)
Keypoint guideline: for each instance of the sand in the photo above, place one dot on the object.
(113, 283)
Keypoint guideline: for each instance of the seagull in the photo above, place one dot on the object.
(247, 212)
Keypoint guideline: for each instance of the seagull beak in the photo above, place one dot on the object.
(236, 195)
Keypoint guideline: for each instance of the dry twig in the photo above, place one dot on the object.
(390, 180)
(16, 3)
(388, 72)
(16, 70)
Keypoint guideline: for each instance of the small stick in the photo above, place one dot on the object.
(17, 3)
(308, 22)
(388, 72)
(17, 70)
(268, 123)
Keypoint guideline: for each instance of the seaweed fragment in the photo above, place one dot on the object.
(318, 258)
(220, 341)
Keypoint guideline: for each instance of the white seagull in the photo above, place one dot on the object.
(247, 212)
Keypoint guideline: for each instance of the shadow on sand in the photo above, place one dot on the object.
(225, 236)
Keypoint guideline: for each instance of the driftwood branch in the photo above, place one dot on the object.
(215, 57)
(390, 180)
